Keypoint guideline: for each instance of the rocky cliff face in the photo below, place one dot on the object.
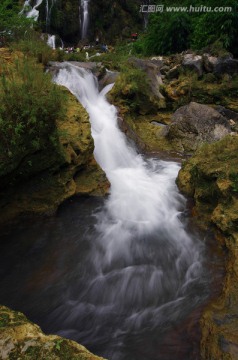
(211, 177)
(56, 175)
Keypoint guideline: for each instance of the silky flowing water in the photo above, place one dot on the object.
(124, 275)
(85, 18)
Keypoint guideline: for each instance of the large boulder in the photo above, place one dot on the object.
(152, 70)
(194, 124)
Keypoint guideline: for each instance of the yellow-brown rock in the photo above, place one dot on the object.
(38, 181)
(21, 339)
(211, 176)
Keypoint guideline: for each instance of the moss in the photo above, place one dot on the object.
(21, 339)
(43, 179)
(207, 90)
(4, 319)
(211, 177)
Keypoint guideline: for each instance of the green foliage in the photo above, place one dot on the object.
(132, 91)
(12, 24)
(161, 38)
(58, 343)
(4, 319)
(30, 104)
(212, 27)
(175, 31)
(32, 45)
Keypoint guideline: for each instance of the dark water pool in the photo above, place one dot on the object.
(45, 272)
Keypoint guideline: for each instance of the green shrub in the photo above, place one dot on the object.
(132, 91)
(30, 104)
(32, 45)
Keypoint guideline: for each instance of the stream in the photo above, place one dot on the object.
(127, 276)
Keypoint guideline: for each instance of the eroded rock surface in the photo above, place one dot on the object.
(211, 177)
(21, 339)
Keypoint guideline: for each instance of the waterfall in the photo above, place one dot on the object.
(48, 12)
(85, 18)
(143, 265)
(33, 12)
(51, 41)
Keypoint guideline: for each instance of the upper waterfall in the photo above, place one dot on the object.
(49, 5)
(85, 18)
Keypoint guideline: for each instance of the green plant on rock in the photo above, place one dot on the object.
(30, 104)
(131, 89)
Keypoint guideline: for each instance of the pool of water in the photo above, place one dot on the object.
(47, 271)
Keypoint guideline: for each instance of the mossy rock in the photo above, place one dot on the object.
(39, 181)
(21, 339)
(211, 177)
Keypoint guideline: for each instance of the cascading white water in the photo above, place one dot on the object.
(33, 12)
(142, 198)
(143, 264)
(51, 41)
(85, 18)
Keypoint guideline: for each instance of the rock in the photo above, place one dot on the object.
(160, 58)
(109, 78)
(164, 69)
(209, 62)
(140, 89)
(54, 175)
(211, 177)
(220, 65)
(226, 66)
(232, 122)
(173, 73)
(152, 69)
(229, 114)
(145, 64)
(195, 124)
(193, 62)
(21, 339)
